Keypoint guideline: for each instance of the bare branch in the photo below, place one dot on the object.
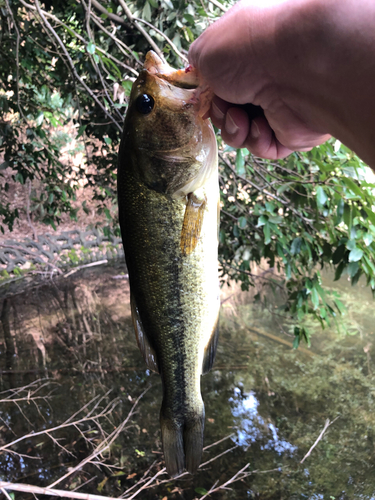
(110, 15)
(133, 20)
(104, 445)
(58, 427)
(120, 44)
(17, 62)
(218, 442)
(28, 488)
(4, 492)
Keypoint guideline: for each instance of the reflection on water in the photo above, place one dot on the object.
(71, 373)
(252, 427)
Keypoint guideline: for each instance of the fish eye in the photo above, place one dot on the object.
(145, 104)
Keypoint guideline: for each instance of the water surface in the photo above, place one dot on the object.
(69, 359)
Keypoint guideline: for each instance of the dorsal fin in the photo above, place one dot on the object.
(148, 352)
(192, 225)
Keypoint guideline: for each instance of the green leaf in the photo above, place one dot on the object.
(348, 215)
(111, 65)
(370, 214)
(355, 255)
(275, 219)
(102, 484)
(146, 12)
(315, 298)
(263, 219)
(352, 268)
(339, 211)
(356, 277)
(81, 130)
(321, 196)
(353, 187)
(296, 246)
(340, 306)
(370, 264)
(240, 162)
(267, 234)
(339, 270)
(39, 119)
(91, 47)
(351, 244)
(284, 187)
(127, 86)
(201, 491)
(368, 239)
(242, 222)
(296, 342)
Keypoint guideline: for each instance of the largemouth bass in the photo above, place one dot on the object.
(168, 198)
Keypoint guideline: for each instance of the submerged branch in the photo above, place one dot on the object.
(326, 425)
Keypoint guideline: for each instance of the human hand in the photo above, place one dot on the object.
(242, 60)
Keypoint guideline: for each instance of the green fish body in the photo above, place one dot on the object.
(168, 205)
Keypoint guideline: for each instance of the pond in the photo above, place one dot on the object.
(79, 410)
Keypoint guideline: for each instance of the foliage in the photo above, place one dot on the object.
(70, 66)
(309, 211)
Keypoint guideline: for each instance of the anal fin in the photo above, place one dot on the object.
(210, 349)
(192, 225)
(148, 352)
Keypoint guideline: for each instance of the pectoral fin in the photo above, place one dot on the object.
(148, 352)
(192, 225)
(210, 350)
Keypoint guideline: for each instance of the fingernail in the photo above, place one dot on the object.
(230, 125)
(217, 113)
(254, 130)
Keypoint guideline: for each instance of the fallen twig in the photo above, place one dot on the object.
(91, 264)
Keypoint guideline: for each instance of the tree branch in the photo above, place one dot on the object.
(173, 46)
(72, 67)
(136, 24)
(110, 15)
(218, 4)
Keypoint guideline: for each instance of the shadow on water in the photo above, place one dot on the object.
(70, 373)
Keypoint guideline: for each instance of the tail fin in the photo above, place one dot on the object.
(182, 442)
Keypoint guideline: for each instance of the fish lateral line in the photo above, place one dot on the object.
(192, 224)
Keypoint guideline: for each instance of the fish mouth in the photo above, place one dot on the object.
(186, 78)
